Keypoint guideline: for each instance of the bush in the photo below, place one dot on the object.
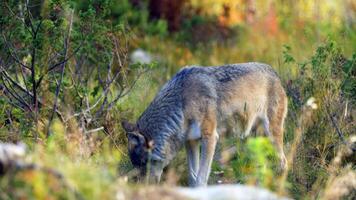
(70, 61)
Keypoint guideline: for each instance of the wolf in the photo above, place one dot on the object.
(190, 108)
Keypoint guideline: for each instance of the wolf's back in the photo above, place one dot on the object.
(169, 101)
(185, 95)
(228, 72)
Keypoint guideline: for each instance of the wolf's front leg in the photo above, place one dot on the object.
(192, 147)
(207, 153)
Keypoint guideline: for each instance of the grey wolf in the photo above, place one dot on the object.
(190, 107)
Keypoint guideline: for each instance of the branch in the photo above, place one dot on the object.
(15, 57)
(15, 83)
(9, 99)
(29, 17)
(108, 84)
(339, 132)
(66, 46)
(94, 130)
(65, 60)
(56, 65)
(122, 94)
(33, 79)
(19, 18)
(27, 92)
(10, 89)
(14, 95)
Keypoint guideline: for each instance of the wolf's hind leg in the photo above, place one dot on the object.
(192, 147)
(276, 138)
(276, 117)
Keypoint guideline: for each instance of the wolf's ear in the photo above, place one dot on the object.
(134, 140)
(128, 127)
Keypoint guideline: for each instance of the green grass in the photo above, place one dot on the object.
(314, 60)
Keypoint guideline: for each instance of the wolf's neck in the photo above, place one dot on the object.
(163, 124)
(162, 121)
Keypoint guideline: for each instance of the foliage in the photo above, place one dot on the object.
(74, 53)
(68, 58)
(255, 161)
(70, 166)
(321, 77)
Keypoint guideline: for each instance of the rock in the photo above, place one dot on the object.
(140, 56)
(214, 192)
(10, 155)
(228, 192)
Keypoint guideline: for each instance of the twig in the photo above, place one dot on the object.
(66, 46)
(8, 77)
(94, 130)
(107, 87)
(9, 101)
(89, 108)
(65, 59)
(14, 94)
(122, 94)
(57, 64)
(29, 17)
(338, 131)
(19, 18)
(13, 56)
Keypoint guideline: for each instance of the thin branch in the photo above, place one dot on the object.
(28, 92)
(14, 94)
(9, 99)
(108, 85)
(65, 60)
(122, 94)
(66, 47)
(94, 130)
(38, 27)
(15, 57)
(15, 83)
(18, 100)
(33, 59)
(30, 17)
(24, 78)
(19, 18)
(57, 64)
(338, 131)
(89, 108)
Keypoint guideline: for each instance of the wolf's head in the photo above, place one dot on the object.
(140, 148)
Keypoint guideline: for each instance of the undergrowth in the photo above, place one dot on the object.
(74, 136)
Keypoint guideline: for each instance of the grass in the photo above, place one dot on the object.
(96, 165)
(305, 64)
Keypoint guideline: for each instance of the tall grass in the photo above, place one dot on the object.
(314, 61)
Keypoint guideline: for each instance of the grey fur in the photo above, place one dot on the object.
(174, 117)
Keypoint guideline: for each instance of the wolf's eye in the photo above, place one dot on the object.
(131, 146)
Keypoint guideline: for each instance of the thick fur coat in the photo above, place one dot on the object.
(189, 109)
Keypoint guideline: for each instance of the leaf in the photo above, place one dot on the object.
(95, 91)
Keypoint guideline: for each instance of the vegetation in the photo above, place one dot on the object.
(66, 81)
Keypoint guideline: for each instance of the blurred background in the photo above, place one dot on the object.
(71, 70)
